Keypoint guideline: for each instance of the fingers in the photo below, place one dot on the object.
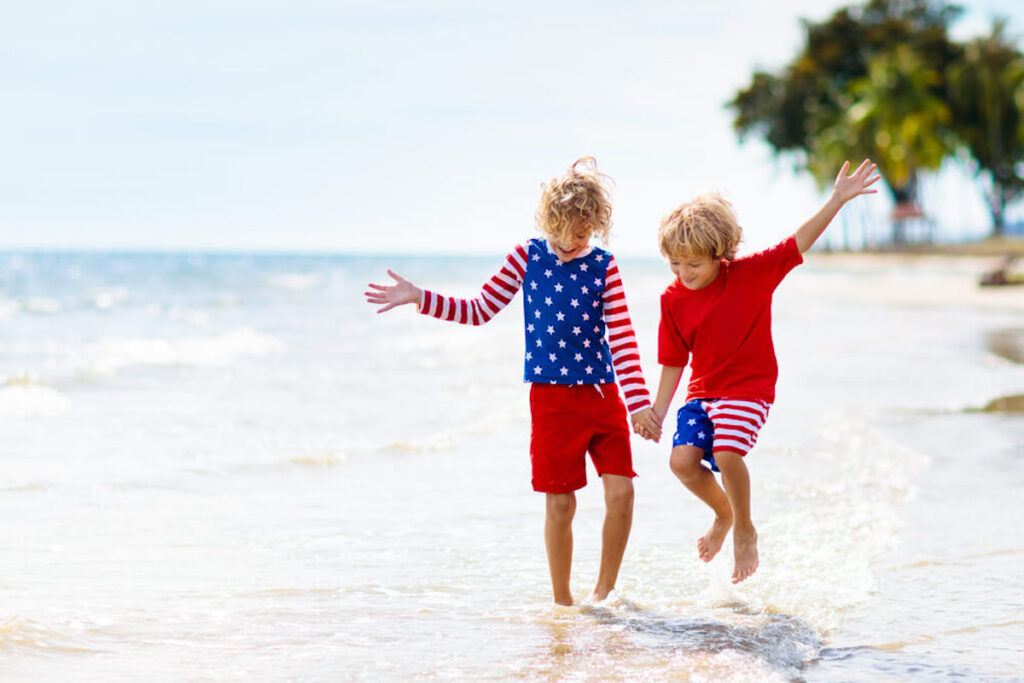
(646, 426)
(395, 276)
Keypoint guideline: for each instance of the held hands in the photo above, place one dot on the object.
(849, 186)
(647, 424)
(402, 292)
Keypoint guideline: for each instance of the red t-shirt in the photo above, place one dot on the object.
(725, 329)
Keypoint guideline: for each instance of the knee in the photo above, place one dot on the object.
(561, 507)
(618, 493)
(729, 460)
(685, 462)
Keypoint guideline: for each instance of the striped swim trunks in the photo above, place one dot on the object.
(720, 424)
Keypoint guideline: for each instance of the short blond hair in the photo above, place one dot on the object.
(705, 226)
(581, 195)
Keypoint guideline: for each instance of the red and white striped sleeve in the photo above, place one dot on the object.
(495, 294)
(622, 342)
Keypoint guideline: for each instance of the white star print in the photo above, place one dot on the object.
(597, 282)
(536, 314)
(572, 275)
(539, 344)
(561, 316)
(692, 422)
(577, 331)
(536, 370)
(552, 357)
(551, 329)
(548, 273)
(700, 435)
(561, 343)
(586, 343)
(565, 371)
(529, 328)
(529, 355)
(574, 303)
(533, 284)
(589, 370)
(586, 316)
(579, 357)
(585, 290)
(529, 299)
(599, 258)
(536, 257)
(583, 267)
(547, 300)
(558, 287)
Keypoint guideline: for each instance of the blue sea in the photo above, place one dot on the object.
(229, 467)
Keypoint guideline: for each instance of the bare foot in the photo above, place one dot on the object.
(600, 595)
(710, 543)
(744, 554)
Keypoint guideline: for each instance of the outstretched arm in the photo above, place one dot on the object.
(402, 292)
(845, 188)
(495, 294)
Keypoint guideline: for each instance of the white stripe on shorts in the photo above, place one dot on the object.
(737, 423)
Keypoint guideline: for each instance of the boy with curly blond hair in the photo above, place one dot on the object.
(716, 317)
(579, 342)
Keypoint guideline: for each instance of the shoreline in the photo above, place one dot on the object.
(1008, 344)
(992, 247)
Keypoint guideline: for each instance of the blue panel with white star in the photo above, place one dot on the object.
(564, 316)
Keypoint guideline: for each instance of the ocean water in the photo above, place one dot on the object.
(228, 467)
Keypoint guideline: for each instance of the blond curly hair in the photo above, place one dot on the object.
(577, 198)
(705, 226)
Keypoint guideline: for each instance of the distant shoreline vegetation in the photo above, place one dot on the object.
(884, 80)
(990, 246)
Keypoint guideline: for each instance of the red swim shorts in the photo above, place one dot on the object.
(570, 420)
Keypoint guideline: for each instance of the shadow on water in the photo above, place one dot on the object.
(866, 664)
(741, 643)
(736, 644)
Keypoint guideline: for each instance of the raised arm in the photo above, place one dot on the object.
(845, 188)
(495, 294)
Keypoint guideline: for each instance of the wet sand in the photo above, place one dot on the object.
(964, 267)
(1008, 344)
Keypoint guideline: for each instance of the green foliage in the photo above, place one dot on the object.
(986, 92)
(884, 80)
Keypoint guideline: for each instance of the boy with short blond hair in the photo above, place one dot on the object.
(716, 317)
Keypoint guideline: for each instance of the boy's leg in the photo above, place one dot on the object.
(618, 519)
(744, 535)
(561, 507)
(685, 464)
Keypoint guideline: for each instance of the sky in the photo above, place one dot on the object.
(313, 126)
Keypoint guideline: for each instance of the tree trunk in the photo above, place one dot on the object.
(997, 207)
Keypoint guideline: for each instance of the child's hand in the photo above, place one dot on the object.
(403, 292)
(849, 186)
(646, 424)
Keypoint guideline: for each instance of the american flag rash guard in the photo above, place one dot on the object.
(577, 324)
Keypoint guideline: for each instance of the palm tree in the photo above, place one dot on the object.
(894, 117)
(987, 94)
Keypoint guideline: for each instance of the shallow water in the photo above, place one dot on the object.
(228, 467)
